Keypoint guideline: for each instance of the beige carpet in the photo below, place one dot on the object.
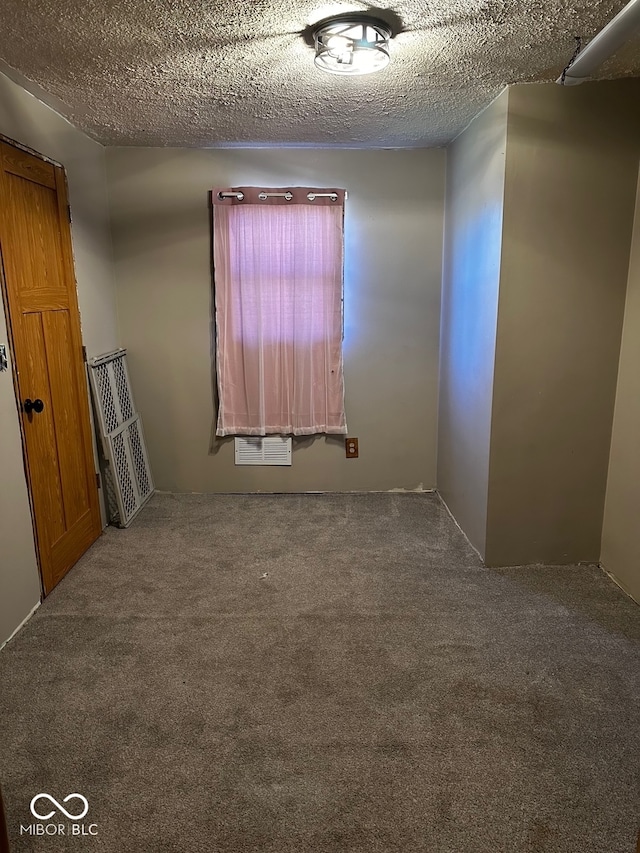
(322, 673)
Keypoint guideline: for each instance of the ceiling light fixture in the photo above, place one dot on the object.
(352, 44)
(603, 45)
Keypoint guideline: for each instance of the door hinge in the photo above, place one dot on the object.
(98, 483)
(69, 212)
(84, 354)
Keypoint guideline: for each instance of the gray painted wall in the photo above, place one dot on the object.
(620, 539)
(471, 274)
(19, 579)
(572, 159)
(27, 120)
(393, 233)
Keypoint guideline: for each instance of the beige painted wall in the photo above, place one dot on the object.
(393, 233)
(19, 580)
(620, 539)
(572, 159)
(27, 120)
(471, 274)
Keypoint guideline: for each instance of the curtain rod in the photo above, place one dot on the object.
(287, 196)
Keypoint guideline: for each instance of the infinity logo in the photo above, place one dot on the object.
(32, 806)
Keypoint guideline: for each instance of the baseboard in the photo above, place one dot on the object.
(419, 490)
(20, 626)
(453, 518)
(624, 588)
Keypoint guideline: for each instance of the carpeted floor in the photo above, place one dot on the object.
(322, 674)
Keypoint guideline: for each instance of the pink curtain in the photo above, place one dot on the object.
(278, 301)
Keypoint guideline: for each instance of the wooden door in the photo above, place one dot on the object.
(44, 322)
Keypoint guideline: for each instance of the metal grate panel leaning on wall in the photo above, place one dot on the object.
(128, 477)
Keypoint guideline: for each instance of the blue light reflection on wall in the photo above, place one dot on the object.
(470, 305)
(353, 282)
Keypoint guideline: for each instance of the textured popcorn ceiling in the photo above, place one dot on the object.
(190, 73)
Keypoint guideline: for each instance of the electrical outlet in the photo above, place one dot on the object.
(351, 445)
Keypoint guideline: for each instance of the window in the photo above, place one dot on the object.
(278, 299)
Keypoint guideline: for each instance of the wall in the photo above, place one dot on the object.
(27, 120)
(572, 160)
(393, 233)
(471, 273)
(19, 579)
(620, 540)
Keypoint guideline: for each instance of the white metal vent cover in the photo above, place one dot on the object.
(263, 450)
(128, 476)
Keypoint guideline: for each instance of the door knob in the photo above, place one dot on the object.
(33, 406)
